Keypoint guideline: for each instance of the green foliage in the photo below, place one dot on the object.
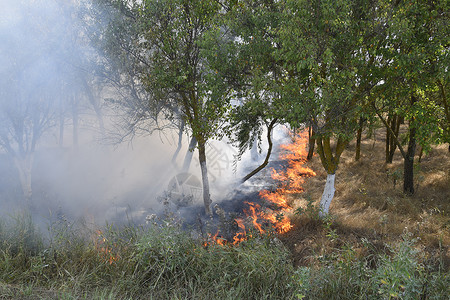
(326, 67)
(254, 24)
(399, 277)
(345, 276)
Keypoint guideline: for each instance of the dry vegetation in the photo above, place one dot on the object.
(369, 204)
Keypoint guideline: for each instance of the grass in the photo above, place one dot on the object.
(156, 262)
(166, 262)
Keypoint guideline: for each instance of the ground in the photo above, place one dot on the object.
(369, 205)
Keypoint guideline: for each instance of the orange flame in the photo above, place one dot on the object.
(240, 236)
(254, 215)
(105, 250)
(290, 182)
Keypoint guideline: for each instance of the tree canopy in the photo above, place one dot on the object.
(325, 64)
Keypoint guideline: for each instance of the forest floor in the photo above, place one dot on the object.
(376, 243)
(369, 205)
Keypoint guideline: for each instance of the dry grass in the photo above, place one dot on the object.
(369, 203)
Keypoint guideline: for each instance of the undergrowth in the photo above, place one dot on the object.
(168, 262)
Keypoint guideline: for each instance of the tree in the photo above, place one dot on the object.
(29, 85)
(254, 23)
(46, 70)
(327, 73)
(414, 52)
(174, 45)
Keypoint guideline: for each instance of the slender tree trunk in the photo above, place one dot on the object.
(269, 152)
(95, 104)
(388, 140)
(190, 152)
(311, 143)
(393, 122)
(388, 128)
(358, 139)
(408, 171)
(396, 129)
(24, 166)
(204, 170)
(392, 145)
(61, 123)
(180, 142)
(442, 89)
(75, 122)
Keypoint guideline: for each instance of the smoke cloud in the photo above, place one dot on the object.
(52, 110)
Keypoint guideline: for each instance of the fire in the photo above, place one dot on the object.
(103, 249)
(240, 236)
(254, 214)
(290, 181)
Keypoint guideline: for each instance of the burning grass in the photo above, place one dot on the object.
(152, 262)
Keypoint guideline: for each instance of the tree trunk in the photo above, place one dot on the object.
(330, 162)
(327, 196)
(94, 102)
(206, 195)
(388, 139)
(420, 154)
(269, 152)
(391, 136)
(75, 122)
(180, 142)
(311, 143)
(358, 139)
(61, 123)
(24, 167)
(190, 152)
(408, 170)
(392, 144)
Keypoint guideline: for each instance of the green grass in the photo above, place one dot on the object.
(166, 262)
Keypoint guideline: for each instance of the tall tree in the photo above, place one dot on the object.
(175, 45)
(327, 72)
(254, 24)
(46, 70)
(29, 84)
(414, 52)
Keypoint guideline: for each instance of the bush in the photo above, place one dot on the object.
(401, 276)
